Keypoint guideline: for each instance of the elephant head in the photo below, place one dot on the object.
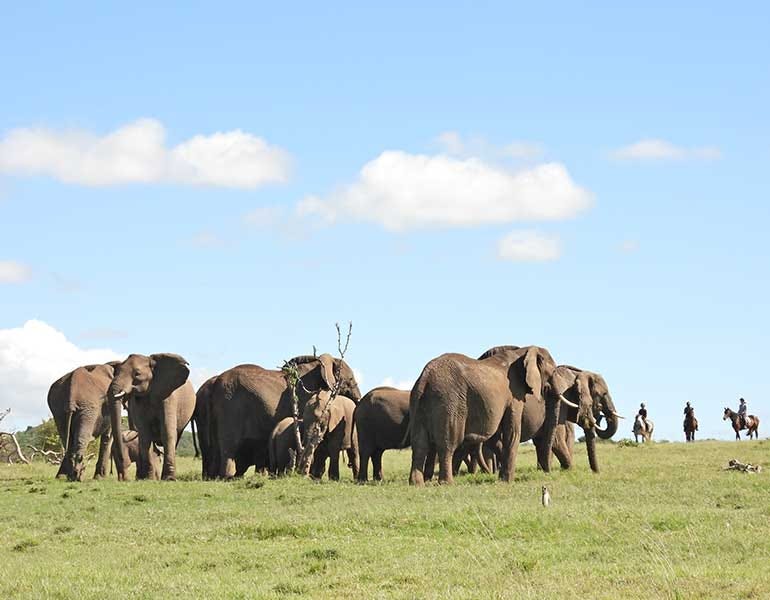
(587, 402)
(324, 371)
(153, 378)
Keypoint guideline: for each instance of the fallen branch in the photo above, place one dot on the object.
(17, 448)
(51, 456)
(736, 465)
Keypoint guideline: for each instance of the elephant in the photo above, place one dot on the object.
(247, 402)
(381, 423)
(78, 403)
(161, 402)
(588, 403)
(458, 400)
(336, 424)
(202, 417)
(131, 448)
(283, 442)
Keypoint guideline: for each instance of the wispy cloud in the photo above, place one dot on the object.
(399, 384)
(662, 150)
(403, 191)
(137, 153)
(528, 246)
(455, 144)
(12, 271)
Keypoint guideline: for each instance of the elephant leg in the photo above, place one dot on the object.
(430, 463)
(334, 464)
(105, 449)
(420, 446)
(511, 426)
(445, 456)
(363, 467)
(457, 460)
(169, 437)
(353, 461)
(145, 468)
(377, 465)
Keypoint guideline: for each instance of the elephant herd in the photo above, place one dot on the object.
(460, 409)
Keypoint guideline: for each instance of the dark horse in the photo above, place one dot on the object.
(752, 423)
(690, 426)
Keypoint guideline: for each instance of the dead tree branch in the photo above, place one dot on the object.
(50, 456)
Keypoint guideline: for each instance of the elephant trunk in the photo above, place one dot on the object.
(591, 449)
(612, 423)
(116, 410)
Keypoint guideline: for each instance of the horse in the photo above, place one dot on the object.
(690, 426)
(641, 430)
(752, 423)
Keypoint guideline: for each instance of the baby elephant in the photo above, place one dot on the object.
(282, 445)
(382, 423)
(337, 424)
(131, 448)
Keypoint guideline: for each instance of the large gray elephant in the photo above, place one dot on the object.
(248, 401)
(161, 402)
(336, 425)
(458, 400)
(78, 403)
(589, 402)
(381, 423)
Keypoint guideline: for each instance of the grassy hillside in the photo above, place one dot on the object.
(660, 521)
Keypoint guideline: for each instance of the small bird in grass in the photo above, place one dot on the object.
(546, 497)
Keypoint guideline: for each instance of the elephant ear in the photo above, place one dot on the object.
(532, 375)
(169, 372)
(327, 370)
(563, 384)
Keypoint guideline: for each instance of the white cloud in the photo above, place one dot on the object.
(14, 272)
(403, 191)
(137, 153)
(400, 384)
(528, 246)
(452, 143)
(32, 357)
(661, 150)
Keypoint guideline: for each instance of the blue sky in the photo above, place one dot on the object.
(385, 155)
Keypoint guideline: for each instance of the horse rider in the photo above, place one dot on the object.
(689, 411)
(742, 408)
(643, 414)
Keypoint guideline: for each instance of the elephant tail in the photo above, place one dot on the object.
(195, 441)
(414, 406)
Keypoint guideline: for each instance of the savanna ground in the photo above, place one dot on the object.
(659, 521)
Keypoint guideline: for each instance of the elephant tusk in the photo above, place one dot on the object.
(567, 402)
(119, 395)
(617, 416)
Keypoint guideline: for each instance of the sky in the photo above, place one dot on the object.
(227, 181)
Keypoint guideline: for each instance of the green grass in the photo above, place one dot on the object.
(660, 521)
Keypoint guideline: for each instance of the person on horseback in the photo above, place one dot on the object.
(643, 414)
(742, 408)
(688, 410)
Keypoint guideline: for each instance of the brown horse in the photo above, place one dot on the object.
(690, 426)
(752, 423)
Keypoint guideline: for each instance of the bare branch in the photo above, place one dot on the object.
(17, 448)
(5, 413)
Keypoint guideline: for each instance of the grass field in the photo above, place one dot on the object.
(659, 521)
